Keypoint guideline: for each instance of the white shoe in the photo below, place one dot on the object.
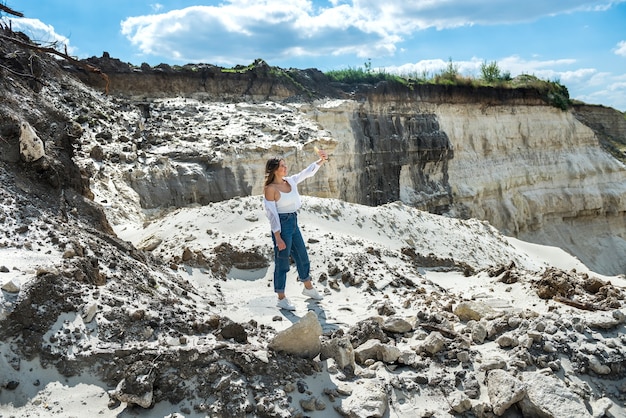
(312, 293)
(285, 304)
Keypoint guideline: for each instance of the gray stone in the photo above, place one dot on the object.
(308, 404)
(375, 350)
(370, 400)
(504, 390)
(459, 402)
(301, 339)
(31, 147)
(547, 396)
(11, 287)
(506, 341)
(474, 310)
(139, 393)
(600, 408)
(479, 333)
(89, 312)
(340, 350)
(492, 363)
(150, 243)
(603, 320)
(433, 343)
(597, 366)
(397, 325)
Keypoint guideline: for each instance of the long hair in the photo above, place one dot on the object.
(270, 169)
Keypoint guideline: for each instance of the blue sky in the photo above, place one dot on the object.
(580, 43)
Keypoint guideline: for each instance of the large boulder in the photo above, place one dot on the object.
(301, 339)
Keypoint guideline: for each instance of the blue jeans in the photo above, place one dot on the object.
(290, 233)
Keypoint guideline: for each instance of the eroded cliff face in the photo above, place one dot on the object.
(533, 171)
(505, 156)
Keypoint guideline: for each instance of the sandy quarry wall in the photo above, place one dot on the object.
(503, 155)
(533, 171)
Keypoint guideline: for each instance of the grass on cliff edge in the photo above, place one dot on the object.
(553, 92)
(491, 76)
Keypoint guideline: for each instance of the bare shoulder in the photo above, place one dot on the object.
(270, 192)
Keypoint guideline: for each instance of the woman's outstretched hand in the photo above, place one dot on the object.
(322, 154)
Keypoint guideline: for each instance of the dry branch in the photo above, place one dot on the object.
(580, 305)
(20, 74)
(10, 11)
(85, 66)
(445, 332)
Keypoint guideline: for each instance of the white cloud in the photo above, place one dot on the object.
(614, 93)
(41, 33)
(621, 49)
(238, 31)
(517, 65)
(402, 16)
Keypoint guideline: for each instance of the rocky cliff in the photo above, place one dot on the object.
(502, 155)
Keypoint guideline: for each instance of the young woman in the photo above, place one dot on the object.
(281, 203)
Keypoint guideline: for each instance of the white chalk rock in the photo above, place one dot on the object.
(370, 400)
(143, 384)
(89, 312)
(31, 147)
(547, 396)
(504, 390)
(11, 286)
(301, 339)
(341, 350)
(597, 366)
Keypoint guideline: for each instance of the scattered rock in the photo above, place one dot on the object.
(433, 344)
(396, 325)
(492, 363)
(375, 350)
(605, 320)
(598, 367)
(230, 329)
(370, 401)
(12, 286)
(341, 351)
(478, 331)
(504, 390)
(547, 396)
(150, 243)
(459, 402)
(476, 311)
(138, 393)
(507, 341)
(89, 312)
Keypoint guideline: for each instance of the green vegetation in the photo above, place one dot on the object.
(243, 68)
(363, 75)
(491, 73)
(490, 76)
